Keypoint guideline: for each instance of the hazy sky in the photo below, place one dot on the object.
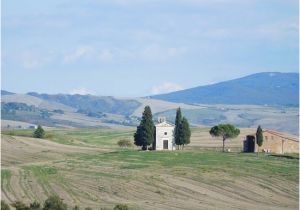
(143, 47)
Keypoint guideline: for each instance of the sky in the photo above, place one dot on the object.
(131, 48)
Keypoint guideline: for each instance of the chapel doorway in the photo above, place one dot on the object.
(165, 144)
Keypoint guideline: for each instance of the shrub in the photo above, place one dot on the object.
(20, 206)
(88, 208)
(39, 132)
(76, 207)
(4, 205)
(49, 136)
(125, 143)
(121, 207)
(35, 206)
(54, 203)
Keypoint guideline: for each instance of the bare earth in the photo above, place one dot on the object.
(40, 167)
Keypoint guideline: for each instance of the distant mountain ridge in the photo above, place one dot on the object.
(268, 88)
(92, 103)
(4, 92)
(213, 104)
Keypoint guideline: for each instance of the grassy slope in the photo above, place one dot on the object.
(190, 179)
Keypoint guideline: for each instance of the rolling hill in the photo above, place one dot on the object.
(267, 88)
(272, 103)
(92, 103)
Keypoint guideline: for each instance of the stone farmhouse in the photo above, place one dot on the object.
(273, 142)
(164, 135)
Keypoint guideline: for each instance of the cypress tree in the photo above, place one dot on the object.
(259, 137)
(178, 127)
(186, 131)
(138, 136)
(144, 135)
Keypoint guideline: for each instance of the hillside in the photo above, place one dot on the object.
(92, 103)
(4, 92)
(266, 99)
(259, 89)
(85, 167)
(18, 109)
(65, 111)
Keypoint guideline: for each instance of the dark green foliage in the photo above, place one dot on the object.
(226, 131)
(259, 136)
(35, 206)
(4, 205)
(124, 143)
(186, 131)
(20, 206)
(144, 135)
(182, 130)
(39, 132)
(178, 120)
(54, 203)
(121, 207)
(138, 136)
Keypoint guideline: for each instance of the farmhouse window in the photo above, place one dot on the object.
(166, 133)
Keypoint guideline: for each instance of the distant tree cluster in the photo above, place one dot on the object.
(58, 111)
(91, 113)
(182, 130)
(52, 203)
(17, 106)
(12, 108)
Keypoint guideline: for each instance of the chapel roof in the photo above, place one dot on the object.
(164, 124)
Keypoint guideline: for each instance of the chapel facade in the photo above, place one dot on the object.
(164, 135)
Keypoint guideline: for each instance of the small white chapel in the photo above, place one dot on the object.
(164, 135)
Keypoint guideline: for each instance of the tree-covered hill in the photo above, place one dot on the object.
(89, 102)
(267, 88)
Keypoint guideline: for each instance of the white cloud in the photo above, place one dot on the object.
(165, 88)
(82, 91)
(78, 53)
(106, 55)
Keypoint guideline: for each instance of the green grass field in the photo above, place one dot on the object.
(73, 164)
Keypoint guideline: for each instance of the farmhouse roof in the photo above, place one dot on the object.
(281, 135)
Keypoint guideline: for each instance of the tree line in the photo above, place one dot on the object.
(145, 133)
